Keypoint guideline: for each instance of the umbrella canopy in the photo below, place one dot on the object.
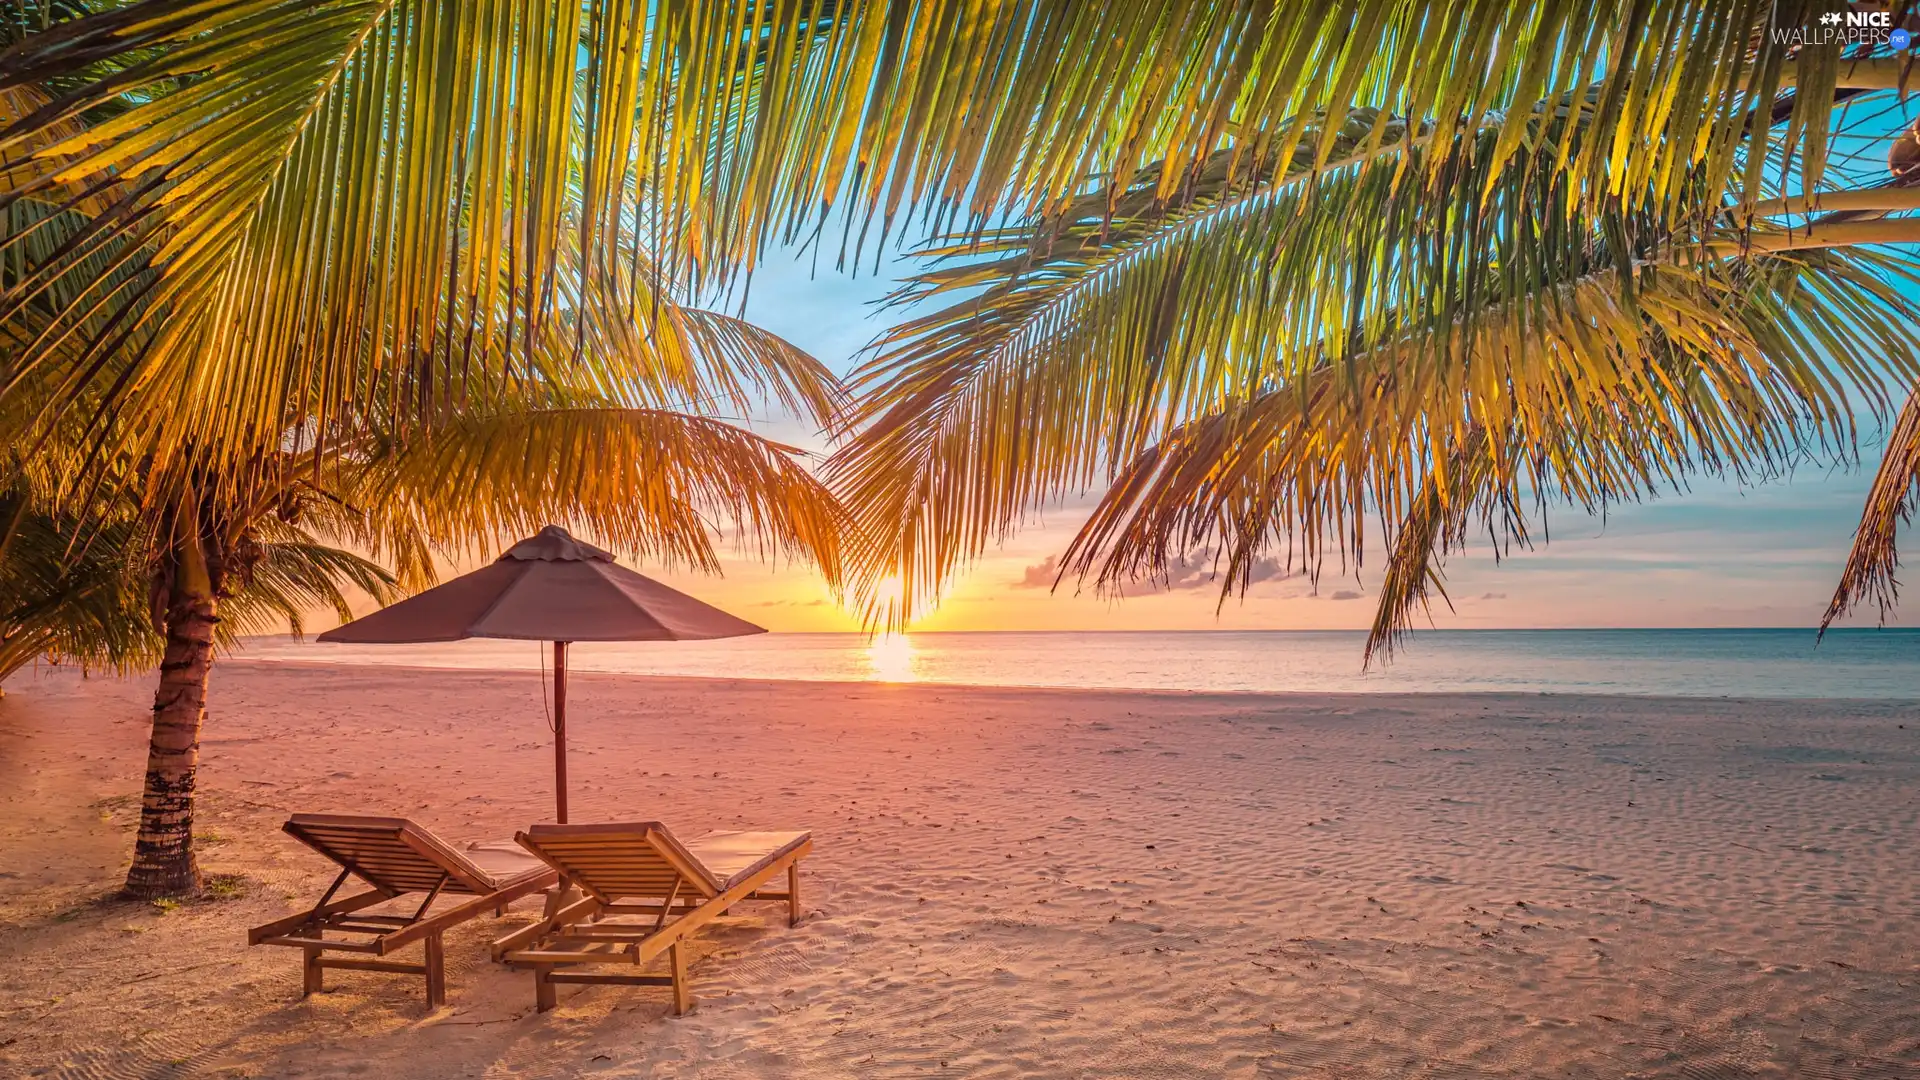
(549, 587)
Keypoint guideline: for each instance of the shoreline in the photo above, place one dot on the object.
(575, 673)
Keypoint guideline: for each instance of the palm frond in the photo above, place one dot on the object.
(84, 604)
(76, 585)
(1435, 521)
(1875, 557)
(287, 579)
(660, 484)
(1588, 407)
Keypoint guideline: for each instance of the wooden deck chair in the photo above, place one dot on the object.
(398, 858)
(640, 869)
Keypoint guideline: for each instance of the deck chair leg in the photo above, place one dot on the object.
(310, 972)
(543, 996)
(793, 893)
(436, 971)
(682, 993)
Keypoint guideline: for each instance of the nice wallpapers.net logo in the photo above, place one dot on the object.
(1873, 29)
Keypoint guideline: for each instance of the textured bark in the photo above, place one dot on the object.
(163, 861)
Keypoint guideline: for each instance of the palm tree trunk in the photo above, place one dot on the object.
(163, 862)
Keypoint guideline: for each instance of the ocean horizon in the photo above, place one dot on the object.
(1704, 662)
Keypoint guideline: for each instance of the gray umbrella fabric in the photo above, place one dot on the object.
(549, 587)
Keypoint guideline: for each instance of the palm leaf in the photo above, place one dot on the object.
(661, 484)
(291, 577)
(77, 588)
(1590, 408)
(1874, 557)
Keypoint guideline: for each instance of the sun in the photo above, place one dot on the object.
(892, 658)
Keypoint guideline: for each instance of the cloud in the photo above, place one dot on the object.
(1207, 569)
(1040, 575)
(1493, 596)
(1202, 569)
(1345, 594)
(790, 603)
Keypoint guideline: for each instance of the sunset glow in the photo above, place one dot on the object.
(892, 656)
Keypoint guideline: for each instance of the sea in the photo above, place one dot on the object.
(1761, 663)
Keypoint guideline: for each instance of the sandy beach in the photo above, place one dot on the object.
(1012, 882)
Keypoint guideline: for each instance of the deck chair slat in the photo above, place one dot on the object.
(384, 860)
(365, 867)
(609, 859)
(370, 853)
(615, 889)
(638, 873)
(368, 844)
(656, 870)
(610, 872)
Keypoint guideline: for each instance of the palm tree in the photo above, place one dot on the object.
(90, 604)
(80, 603)
(104, 591)
(1478, 263)
(364, 271)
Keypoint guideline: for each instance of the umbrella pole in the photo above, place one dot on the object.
(560, 731)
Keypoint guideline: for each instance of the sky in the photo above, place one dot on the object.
(1714, 556)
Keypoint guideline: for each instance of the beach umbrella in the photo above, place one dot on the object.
(549, 587)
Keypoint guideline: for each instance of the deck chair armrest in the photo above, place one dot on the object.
(460, 913)
(338, 907)
(661, 939)
(574, 912)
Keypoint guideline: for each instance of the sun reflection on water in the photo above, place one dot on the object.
(891, 656)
